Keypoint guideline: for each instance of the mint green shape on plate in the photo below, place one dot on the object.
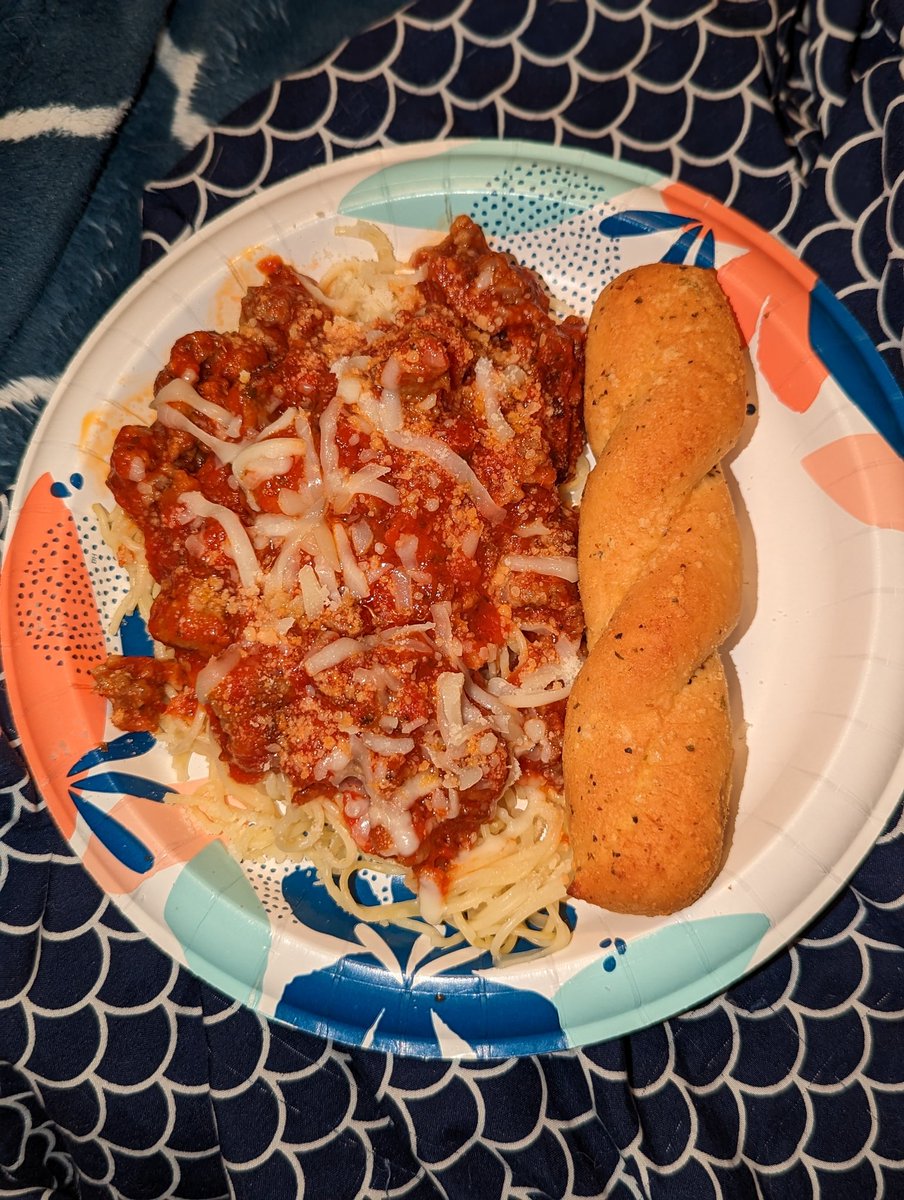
(220, 923)
(657, 976)
(506, 187)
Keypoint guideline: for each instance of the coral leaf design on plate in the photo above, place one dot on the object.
(864, 476)
(52, 637)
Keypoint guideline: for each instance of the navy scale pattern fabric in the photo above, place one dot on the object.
(122, 1075)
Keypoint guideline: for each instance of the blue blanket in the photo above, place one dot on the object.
(97, 100)
(122, 1075)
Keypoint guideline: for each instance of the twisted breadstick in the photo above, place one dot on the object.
(647, 751)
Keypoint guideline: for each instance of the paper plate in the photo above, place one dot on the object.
(817, 664)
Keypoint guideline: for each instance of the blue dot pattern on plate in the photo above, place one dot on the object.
(526, 197)
(610, 962)
(60, 490)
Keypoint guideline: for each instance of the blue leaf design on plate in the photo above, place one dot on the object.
(315, 908)
(401, 1011)
(678, 251)
(849, 356)
(357, 993)
(128, 785)
(637, 222)
(121, 842)
(706, 255)
(134, 636)
(127, 745)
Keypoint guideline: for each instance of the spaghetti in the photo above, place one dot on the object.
(344, 526)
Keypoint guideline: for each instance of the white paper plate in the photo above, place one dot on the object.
(817, 664)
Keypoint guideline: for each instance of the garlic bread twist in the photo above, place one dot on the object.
(648, 735)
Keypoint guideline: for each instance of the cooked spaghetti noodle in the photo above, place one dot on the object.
(345, 530)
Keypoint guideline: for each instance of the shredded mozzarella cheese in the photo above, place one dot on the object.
(561, 566)
(331, 655)
(488, 391)
(237, 544)
(444, 456)
(210, 676)
(180, 391)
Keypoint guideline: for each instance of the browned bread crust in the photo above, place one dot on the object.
(648, 737)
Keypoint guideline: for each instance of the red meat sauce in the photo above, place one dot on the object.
(470, 306)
